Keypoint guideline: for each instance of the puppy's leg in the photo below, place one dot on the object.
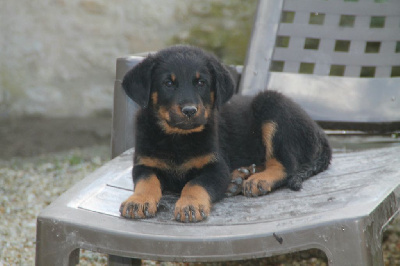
(274, 172)
(143, 203)
(197, 196)
(263, 182)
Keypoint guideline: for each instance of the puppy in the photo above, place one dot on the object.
(194, 138)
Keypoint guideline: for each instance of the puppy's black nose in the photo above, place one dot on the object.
(189, 110)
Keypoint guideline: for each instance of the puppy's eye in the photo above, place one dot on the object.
(168, 83)
(201, 83)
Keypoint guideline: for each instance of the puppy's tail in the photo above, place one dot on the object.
(319, 164)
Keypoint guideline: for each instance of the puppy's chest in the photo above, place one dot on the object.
(175, 154)
(178, 167)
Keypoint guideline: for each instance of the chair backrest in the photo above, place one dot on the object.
(340, 59)
(124, 110)
(314, 51)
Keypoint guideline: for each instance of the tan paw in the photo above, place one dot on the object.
(238, 177)
(194, 204)
(138, 207)
(187, 211)
(256, 186)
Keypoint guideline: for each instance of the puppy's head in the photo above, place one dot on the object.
(182, 84)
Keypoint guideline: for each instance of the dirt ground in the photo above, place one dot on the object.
(31, 136)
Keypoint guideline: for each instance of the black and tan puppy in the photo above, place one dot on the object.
(192, 138)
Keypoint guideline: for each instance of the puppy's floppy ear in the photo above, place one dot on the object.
(223, 83)
(137, 81)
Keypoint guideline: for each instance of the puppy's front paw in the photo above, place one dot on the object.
(139, 207)
(190, 210)
(194, 204)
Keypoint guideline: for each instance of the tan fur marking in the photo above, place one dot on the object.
(165, 116)
(212, 96)
(177, 110)
(243, 174)
(163, 113)
(207, 111)
(273, 173)
(173, 130)
(152, 162)
(196, 162)
(197, 74)
(173, 77)
(154, 97)
(150, 186)
(196, 192)
(268, 131)
(145, 198)
(201, 111)
(193, 198)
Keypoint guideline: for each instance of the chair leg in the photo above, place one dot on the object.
(359, 242)
(355, 256)
(60, 256)
(74, 257)
(352, 246)
(52, 245)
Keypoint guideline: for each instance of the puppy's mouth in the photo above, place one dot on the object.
(174, 121)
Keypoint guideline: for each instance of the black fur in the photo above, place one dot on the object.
(228, 128)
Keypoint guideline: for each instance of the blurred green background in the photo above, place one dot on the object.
(223, 27)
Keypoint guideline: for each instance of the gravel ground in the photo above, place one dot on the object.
(29, 183)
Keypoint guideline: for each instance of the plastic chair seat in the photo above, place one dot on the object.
(341, 212)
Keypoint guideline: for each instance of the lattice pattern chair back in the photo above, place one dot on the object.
(339, 59)
(354, 38)
(351, 38)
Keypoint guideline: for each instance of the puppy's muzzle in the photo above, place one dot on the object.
(189, 110)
